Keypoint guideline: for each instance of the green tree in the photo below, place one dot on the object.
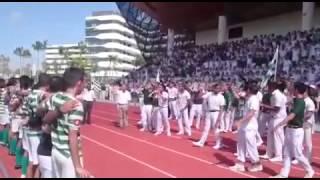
(139, 61)
(19, 52)
(26, 54)
(39, 46)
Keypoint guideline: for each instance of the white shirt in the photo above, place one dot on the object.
(123, 97)
(88, 95)
(214, 101)
(310, 106)
(279, 99)
(252, 103)
(163, 99)
(183, 98)
(173, 92)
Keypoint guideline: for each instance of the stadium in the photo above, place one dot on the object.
(228, 90)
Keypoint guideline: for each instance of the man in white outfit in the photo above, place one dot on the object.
(146, 110)
(275, 139)
(309, 120)
(215, 103)
(196, 107)
(173, 93)
(294, 134)
(247, 130)
(183, 101)
(162, 117)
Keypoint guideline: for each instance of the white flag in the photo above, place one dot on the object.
(158, 75)
(272, 69)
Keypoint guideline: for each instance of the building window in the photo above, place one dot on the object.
(236, 32)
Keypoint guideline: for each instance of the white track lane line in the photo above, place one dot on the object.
(107, 119)
(127, 156)
(168, 149)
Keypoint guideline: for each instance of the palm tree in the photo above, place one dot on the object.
(26, 54)
(19, 52)
(39, 46)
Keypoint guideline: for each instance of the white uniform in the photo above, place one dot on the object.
(196, 111)
(183, 118)
(146, 113)
(162, 117)
(308, 126)
(173, 93)
(214, 103)
(275, 139)
(247, 142)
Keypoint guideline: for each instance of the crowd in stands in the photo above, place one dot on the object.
(299, 59)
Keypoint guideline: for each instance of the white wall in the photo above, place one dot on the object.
(277, 24)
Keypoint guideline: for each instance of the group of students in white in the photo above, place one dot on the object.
(40, 124)
(285, 114)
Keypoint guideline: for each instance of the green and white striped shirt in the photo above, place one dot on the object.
(65, 123)
(3, 93)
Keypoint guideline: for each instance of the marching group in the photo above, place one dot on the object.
(39, 123)
(283, 112)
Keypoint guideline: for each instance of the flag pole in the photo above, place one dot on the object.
(277, 59)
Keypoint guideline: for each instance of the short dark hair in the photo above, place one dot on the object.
(282, 86)
(43, 80)
(71, 76)
(56, 84)
(25, 82)
(2, 83)
(12, 81)
(300, 87)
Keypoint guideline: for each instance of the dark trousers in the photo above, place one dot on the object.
(87, 107)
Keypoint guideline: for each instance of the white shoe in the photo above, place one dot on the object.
(180, 133)
(235, 132)
(142, 129)
(217, 146)
(276, 159)
(158, 133)
(169, 133)
(255, 168)
(23, 176)
(198, 144)
(235, 154)
(278, 176)
(237, 167)
(139, 122)
(265, 156)
(260, 143)
(309, 174)
(189, 134)
(295, 162)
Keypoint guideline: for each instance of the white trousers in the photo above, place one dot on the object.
(247, 145)
(264, 118)
(146, 113)
(62, 167)
(275, 139)
(196, 112)
(162, 119)
(173, 109)
(307, 141)
(154, 117)
(183, 121)
(33, 143)
(15, 124)
(45, 166)
(226, 121)
(293, 149)
(210, 122)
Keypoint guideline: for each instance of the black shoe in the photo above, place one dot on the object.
(17, 167)
(11, 154)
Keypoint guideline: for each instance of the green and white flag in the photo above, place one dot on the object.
(272, 69)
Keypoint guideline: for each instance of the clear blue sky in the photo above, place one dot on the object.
(23, 23)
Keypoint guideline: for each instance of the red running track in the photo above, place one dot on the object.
(113, 152)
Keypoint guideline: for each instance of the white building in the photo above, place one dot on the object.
(111, 44)
(56, 62)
